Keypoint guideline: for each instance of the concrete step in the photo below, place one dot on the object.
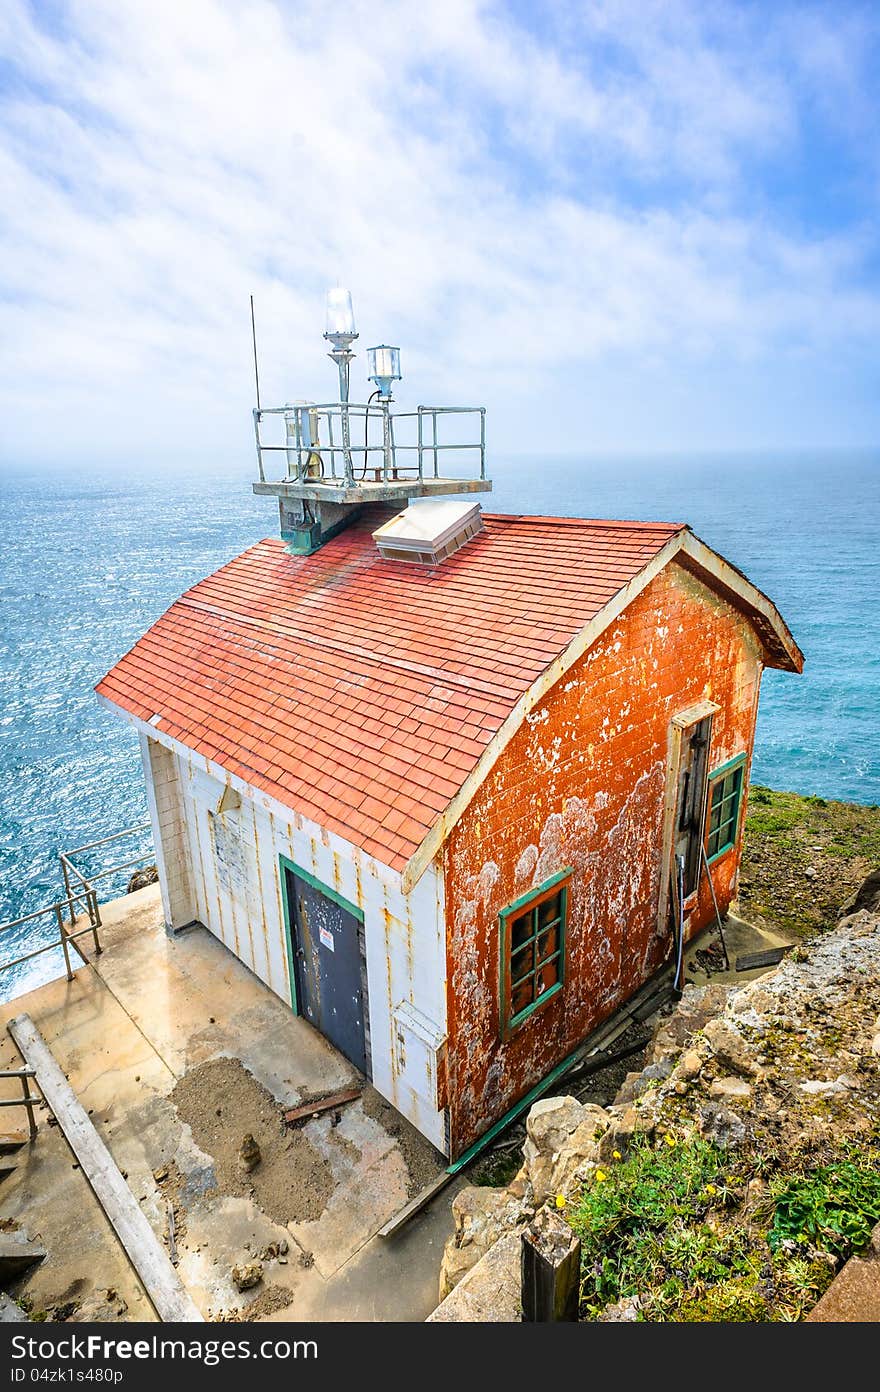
(17, 1254)
(6, 1168)
(12, 1140)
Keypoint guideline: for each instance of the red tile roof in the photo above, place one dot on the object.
(361, 692)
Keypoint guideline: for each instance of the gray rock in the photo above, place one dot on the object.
(491, 1292)
(481, 1215)
(729, 1047)
(101, 1307)
(247, 1275)
(818, 1087)
(697, 1005)
(249, 1156)
(690, 1065)
(736, 1089)
(624, 1311)
(561, 1135)
(551, 1121)
(621, 1134)
(722, 1126)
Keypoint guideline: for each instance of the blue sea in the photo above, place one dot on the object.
(88, 562)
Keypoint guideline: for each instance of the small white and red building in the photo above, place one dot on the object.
(441, 802)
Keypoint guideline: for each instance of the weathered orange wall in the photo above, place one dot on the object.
(582, 784)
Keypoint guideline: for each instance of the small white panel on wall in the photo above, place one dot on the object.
(233, 855)
(418, 1050)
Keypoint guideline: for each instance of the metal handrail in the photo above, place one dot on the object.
(68, 933)
(66, 939)
(306, 423)
(68, 868)
(28, 1100)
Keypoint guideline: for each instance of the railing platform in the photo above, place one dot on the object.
(396, 490)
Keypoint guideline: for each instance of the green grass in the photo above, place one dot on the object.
(835, 1208)
(664, 1225)
(841, 828)
(803, 858)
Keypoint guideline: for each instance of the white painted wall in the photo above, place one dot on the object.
(223, 870)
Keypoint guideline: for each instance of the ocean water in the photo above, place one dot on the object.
(87, 563)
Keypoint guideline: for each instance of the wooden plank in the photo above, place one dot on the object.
(321, 1104)
(143, 1249)
(421, 1199)
(749, 961)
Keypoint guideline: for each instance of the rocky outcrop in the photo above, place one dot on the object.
(142, 878)
(490, 1293)
(563, 1137)
(481, 1215)
(787, 1061)
(562, 1142)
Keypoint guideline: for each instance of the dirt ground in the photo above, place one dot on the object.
(804, 858)
(222, 1102)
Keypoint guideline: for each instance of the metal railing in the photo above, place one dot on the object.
(318, 442)
(28, 1100)
(68, 933)
(68, 869)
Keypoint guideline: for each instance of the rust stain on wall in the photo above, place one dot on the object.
(582, 785)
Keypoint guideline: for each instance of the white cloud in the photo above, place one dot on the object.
(466, 176)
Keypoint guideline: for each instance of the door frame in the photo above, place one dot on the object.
(679, 724)
(286, 864)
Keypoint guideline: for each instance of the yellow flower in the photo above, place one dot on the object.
(616, 1155)
(560, 1201)
(710, 1189)
(669, 1139)
(601, 1176)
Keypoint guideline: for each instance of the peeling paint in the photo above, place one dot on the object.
(585, 788)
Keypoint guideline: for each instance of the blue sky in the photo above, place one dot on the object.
(622, 225)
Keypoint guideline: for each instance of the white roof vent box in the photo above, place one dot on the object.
(428, 531)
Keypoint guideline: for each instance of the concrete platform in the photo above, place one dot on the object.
(741, 937)
(142, 1033)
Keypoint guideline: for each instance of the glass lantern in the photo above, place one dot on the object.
(383, 364)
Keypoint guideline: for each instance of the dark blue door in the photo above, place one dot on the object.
(326, 954)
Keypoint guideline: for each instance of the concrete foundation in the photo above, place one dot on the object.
(148, 1011)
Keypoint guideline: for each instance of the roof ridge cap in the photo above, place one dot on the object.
(529, 519)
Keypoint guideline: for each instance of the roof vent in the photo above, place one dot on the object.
(429, 530)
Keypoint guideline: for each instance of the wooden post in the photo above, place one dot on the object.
(551, 1269)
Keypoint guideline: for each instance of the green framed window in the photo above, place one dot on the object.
(533, 950)
(725, 804)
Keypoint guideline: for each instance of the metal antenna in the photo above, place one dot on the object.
(256, 366)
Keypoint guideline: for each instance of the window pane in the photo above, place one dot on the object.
(724, 811)
(520, 930)
(533, 943)
(547, 976)
(521, 995)
(548, 942)
(522, 962)
(549, 910)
